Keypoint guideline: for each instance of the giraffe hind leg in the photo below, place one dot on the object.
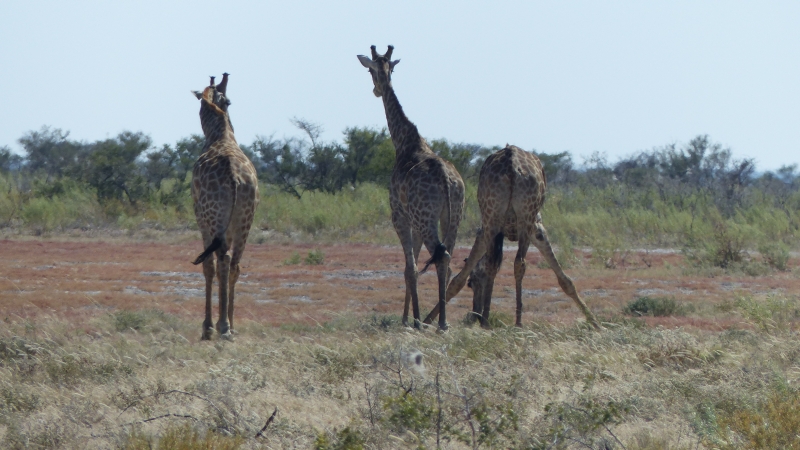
(223, 275)
(493, 260)
(208, 272)
(519, 273)
(234, 277)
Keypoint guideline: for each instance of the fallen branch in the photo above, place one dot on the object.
(176, 391)
(269, 421)
(179, 416)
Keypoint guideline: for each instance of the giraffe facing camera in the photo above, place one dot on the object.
(425, 191)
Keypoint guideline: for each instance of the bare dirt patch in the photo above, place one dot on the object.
(85, 278)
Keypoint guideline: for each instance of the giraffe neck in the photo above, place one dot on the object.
(405, 136)
(216, 124)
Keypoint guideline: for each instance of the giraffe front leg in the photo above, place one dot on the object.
(403, 229)
(417, 247)
(223, 327)
(477, 282)
(542, 243)
(208, 272)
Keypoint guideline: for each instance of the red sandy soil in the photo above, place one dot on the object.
(84, 279)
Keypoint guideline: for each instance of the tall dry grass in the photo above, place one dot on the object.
(143, 379)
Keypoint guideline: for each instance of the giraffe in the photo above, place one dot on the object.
(225, 195)
(511, 192)
(425, 191)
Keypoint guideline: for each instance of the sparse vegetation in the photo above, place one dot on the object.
(314, 258)
(652, 306)
(351, 384)
(686, 364)
(694, 197)
(292, 260)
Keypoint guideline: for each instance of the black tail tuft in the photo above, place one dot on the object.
(438, 254)
(497, 251)
(215, 244)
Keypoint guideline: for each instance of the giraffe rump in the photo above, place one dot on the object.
(214, 246)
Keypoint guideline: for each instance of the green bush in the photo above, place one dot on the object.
(292, 260)
(652, 306)
(346, 439)
(586, 421)
(775, 254)
(409, 412)
(315, 258)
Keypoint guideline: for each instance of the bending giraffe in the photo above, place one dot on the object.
(511, 192)
(425, 191)
(225, 195)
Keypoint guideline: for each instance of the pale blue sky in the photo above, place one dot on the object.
(612, 77)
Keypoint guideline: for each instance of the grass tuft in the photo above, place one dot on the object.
(652, 306)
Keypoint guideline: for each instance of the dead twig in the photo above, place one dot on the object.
(176, 391)
(269, 421)
(439, 412)
(179, 416)
(369, 404)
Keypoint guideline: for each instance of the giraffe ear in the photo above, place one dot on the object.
(366, 62)
(393, 63)
(197, 94)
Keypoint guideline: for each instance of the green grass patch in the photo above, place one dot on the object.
(653, 306)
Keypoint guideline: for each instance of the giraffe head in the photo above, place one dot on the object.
(215, 94)
(380, 67)
(214, 99)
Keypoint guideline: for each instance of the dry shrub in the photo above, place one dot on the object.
(182, 437)
(346, 439)
(674, 349)
(773, 425)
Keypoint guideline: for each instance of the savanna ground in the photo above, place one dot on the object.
(100, 348)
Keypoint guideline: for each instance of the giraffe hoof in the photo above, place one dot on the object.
(206, 335)
(227, 336)
(443, 329)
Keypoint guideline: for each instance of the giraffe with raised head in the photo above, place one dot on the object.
(511, 192)
(225, 195)
(425, 191)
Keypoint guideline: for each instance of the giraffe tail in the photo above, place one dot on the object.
(438, 254)
(497, 251)
(215, 244)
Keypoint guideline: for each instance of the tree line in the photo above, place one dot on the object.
(128, 168)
